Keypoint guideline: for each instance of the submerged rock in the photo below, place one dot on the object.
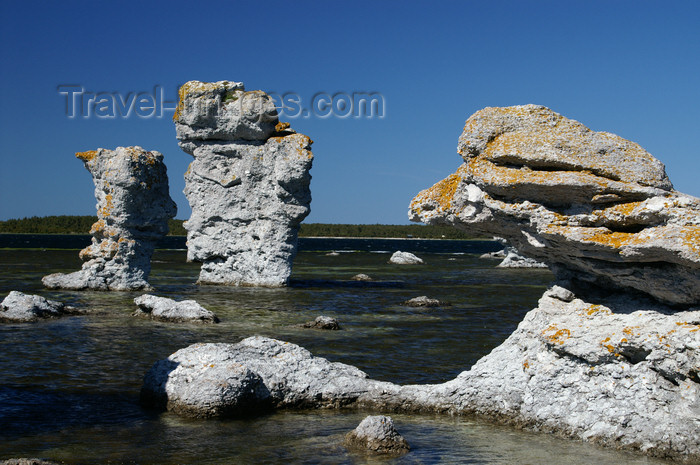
(404, 258)
(133, 209)
(361, 277)
(598, 209)
(322, 322)
(19, 307)
(377, 434)
(164, 309)
(27, 461)
(425, 301)
(248, 185)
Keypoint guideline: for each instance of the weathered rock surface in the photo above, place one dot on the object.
(322, 322)
(596, 208)
(248, 185)
(20, 307)
(377, 434)
(164, 309)
(623, 373)
(205, 380)
(513, 259)
(405, 258)
(133, 209)
(425, 301)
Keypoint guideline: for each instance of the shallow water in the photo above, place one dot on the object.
(69, 388)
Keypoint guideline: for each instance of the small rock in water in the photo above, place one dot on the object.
(322, 322)
(405, 258)
(164, 309)
(500, 254)
(513, 259)
(377, 434)
(361, 277)
(332, 254)
(424, 301)
(20, 307)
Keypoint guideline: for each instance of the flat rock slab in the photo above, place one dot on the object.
(164, 309)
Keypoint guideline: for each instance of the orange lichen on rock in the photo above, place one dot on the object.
(86, 156)
(558, 337)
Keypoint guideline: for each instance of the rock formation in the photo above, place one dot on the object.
(248, 185)
(133, 208)
(617, 367)
(19, 307)
(425, 301)
(377, 434)
(513, 259)
(596, 208)
(164, 309)
(405, 258)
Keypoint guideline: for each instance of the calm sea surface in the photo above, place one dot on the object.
(69, 388)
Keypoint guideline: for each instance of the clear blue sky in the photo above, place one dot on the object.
(627, 67)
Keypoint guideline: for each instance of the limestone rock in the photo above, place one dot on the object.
(164, 309)
(133, 208)
(322, 322)
(513, 259)
(598, 209)
(248, 185)
(377, 434)
(425, 301)
(206, 380)
(19, 307)
(405, 258)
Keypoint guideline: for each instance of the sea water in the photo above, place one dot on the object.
(69, 388)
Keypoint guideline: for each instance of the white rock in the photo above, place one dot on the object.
(597, 208)
(248, 185)
(164, 309)
(133, 208)
(20, 307)
(425, 301)
(404, 258)
(377, 434)
(514, 260)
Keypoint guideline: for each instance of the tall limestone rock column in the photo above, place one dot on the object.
(133, 208)
(248, 185)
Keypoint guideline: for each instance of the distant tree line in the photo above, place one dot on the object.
(67, 224)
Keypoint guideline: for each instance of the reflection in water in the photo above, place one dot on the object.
(70, 387)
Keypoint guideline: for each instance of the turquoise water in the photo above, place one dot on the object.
(70, 387)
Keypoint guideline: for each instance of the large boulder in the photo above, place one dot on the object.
(248, 185)
(20, 308)
(598, 209)
(133, 209)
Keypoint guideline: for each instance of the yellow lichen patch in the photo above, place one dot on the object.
(690, 235)
(593, 309)
(526, 364)
(98, 226)
(86, 156)
(106, 210)
(609, 238)
(558, 337)
(279, 127)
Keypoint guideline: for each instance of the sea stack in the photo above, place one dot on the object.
(133, 209)
(248, 185)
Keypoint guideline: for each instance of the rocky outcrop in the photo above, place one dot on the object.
(322, 322)
(248, 185)
(596, 208)
(164, 309)
(379, 435)
(133, 209)
(405, 258)
(19, 307)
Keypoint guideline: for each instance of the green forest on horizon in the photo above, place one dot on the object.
(71, 224)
